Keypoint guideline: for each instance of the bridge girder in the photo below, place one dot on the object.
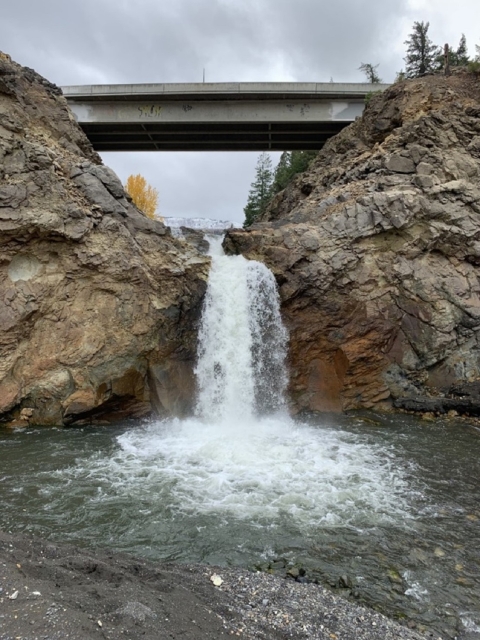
(223, 117)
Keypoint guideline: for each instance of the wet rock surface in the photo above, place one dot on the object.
(376, 252)
(98, 302)
(51, 590)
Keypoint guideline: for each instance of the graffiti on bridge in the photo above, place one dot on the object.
(149, 110)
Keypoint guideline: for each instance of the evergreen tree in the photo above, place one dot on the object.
(422, 55)
(291, 163)
(460, 57)
(370, 71)
(267, 182)
(300, 161)
(282, 174)
(260, 190)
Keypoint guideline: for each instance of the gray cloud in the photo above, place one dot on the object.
(118, 41)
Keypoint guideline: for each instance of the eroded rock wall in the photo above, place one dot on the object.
(98, 304)
(377, 251)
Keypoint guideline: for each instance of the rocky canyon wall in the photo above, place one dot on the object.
(98, 304)
(377, 252)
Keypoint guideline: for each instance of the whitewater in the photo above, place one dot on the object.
(241, 454)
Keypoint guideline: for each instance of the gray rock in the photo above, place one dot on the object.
(309, 241)
(440, 405)
(474, 147)
(15, 162)
(77, 229)
(196, 237)
(425, 169)
(96, 193)
(424, 182)
(109, 178)
(136, 610)
(137, 222)
(13, 195)
(417, 152)
(400, 164)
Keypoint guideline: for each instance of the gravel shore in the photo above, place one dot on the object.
(56, 591)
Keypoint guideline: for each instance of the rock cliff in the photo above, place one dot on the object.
(97, 302)
(377, 251)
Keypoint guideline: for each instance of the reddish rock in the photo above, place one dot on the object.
(378, 259)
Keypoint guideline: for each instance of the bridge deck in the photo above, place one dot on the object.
(215, 117)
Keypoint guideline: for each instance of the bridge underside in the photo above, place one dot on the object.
(216, 117)
(208, 136)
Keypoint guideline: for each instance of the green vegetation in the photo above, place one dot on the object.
(459, 58)
(370, 71)
(260, 189)
(291, 163)
(268, 182)
(474, 65)
(422, 55)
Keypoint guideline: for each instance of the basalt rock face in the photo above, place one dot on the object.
(377, 252)
(97, 302)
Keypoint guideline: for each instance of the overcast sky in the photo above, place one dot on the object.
(74, 42)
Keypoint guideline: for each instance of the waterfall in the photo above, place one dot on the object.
(241, 471)
(241, 369)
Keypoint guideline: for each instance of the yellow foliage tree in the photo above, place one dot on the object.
(144, 196)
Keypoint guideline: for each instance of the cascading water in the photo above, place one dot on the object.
(241, 454)
(240, 482)
(242, 341)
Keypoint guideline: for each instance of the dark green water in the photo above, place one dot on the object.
(392, 503)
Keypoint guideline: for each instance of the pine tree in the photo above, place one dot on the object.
(422, 55)
(370, 71)
(282, 174)
(260, 190)
(291, 163)
(300, 161)
(460, 56)
(456, 58)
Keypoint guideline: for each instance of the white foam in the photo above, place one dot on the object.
(415, 589)
(261, 470)
(469, 624)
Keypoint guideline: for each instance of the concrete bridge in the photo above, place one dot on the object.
(273, 116)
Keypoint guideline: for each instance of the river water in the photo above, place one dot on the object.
(388, 506)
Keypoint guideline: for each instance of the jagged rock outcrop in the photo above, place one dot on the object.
(377, 251)
(97, 302)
